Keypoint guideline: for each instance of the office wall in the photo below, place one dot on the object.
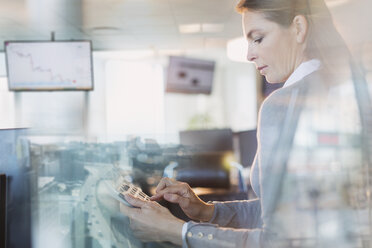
(57, 113)
(129, 99)
(240, 94)
(134, 98)
(7, 115)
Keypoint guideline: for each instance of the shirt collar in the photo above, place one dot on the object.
(304, 69)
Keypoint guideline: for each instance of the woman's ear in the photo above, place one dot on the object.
(300, 26)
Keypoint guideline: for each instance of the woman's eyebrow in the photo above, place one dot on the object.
(250, 34)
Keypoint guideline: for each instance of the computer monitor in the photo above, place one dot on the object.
(49, 65)
(190, 76)
(208, 140)
(209, 150)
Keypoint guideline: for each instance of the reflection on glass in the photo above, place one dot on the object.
(72, 207)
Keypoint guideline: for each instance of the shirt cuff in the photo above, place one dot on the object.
(214, 211)
(184, 231)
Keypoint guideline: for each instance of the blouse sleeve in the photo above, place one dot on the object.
(238, 214)
(210, 235)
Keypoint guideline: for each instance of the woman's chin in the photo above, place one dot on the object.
(271, 80)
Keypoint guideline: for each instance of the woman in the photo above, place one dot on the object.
(289, 41)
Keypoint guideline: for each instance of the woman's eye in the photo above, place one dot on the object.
(258, 40)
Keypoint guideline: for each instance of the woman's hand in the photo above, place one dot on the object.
(182, 194)
(152, 222)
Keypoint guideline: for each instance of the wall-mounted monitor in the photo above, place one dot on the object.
(190, 76)
(49, 65)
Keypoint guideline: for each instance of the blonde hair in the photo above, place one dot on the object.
(323, 40)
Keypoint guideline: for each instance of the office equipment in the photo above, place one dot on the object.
(49, 65)
(206, 161)
(124, 187)
(209, 151)
(208, 140)
(190, 76)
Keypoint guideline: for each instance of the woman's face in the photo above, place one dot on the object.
(273, 48)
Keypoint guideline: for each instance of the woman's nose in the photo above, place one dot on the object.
(250, 55)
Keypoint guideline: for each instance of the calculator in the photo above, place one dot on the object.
(124, 188)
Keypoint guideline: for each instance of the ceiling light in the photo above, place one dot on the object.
(105, 30)
(200, 28)
(212, 28)
(190, 28)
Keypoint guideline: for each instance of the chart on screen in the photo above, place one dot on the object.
(57, 65)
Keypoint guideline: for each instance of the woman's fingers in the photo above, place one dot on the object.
(165, 182)
(174, 198)
(129, 211)
(181, 189)
(135, 202)
(152, 222)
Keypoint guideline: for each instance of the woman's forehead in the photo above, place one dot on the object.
(254, 21)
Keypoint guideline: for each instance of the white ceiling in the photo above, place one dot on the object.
(148, 24)
(120, 24)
